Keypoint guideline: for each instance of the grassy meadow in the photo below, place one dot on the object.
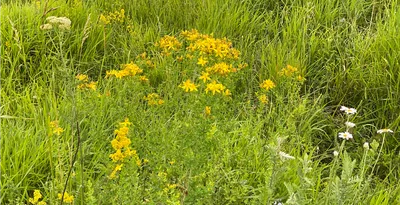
(200, 102)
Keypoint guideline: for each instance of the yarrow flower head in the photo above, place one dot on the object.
(345, 135)
(348, 111)
(384, 131)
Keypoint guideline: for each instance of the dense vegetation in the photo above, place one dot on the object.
(200, 102)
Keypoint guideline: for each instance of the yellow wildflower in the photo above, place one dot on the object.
(207, 110)
(153, 99)
(188, 56)
(263, 99)
(220, 68)
(58, 130)
(67, 197)
(144, 79)
(215, 87)
(267, 84)
(36, 196)
(179, 58)
(288, 70)
(300, 78)
(104, 19)
(205, 76)
(92, 85)
(168, 43)
(188, 86)
(117, 168)
(82, 77)
(227, 93)
(202, 61)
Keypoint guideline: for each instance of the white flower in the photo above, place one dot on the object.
(285, 156)
(384, 131)
(335, 153)
(347, 110)
(61, 22)
(345, 135)
(366, 145)
(350, 124)
(46, 26)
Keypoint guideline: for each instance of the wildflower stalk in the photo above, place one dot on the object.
(72, 163)
(379, 154)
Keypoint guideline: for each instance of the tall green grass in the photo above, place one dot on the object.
(346, 50)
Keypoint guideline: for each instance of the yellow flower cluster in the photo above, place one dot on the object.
(289, 71)
(121, 145)
(206, 44)
(222, 69)
(67, 197)
(55, 128)
(188, 86)
(84, 84)
(263, 99)
(116, 16)
(147, 61)
(215, 87)
(168, 44)
(267, 84)
(207, 111)
(153, 99)
(36, 196)
(130, 69)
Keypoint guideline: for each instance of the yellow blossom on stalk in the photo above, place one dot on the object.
(227, 93)
(207, 110)
(267, 84)
(179, 58)
(191, 35)
(300, 78)
(36, 196)
(92, 85)
(117, 168)
(55, 129)
(204, 76)
(144, 79)
(215, 87)
(188, 86)
(220, 68)
(104, 19)
(242, 65)
(263, 99)
(169, 43)
(153, 99)
(67, 197)
(288, 71)
(202, 61)
(150, 64)
(82, 77)
(58, 130)
(130, 69)
(188, 56)
(143, 55)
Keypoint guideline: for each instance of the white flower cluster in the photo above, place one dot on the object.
(63, 23)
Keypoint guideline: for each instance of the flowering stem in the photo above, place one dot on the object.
(379, 154)
(72, 163)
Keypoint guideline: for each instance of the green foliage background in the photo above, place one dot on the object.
(348, 51)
